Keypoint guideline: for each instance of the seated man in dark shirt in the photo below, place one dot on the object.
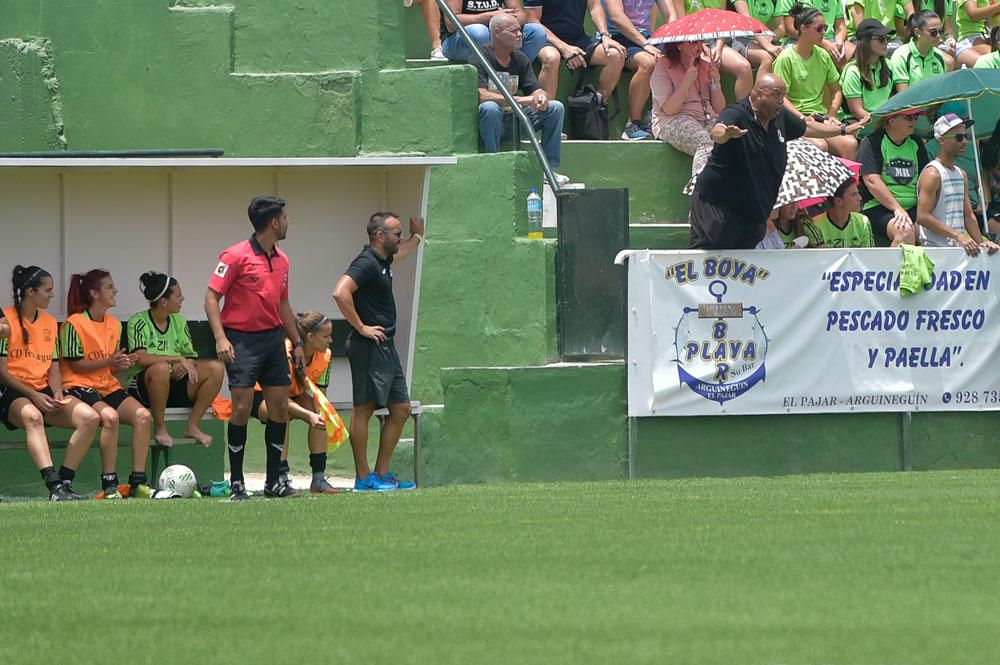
(494, 118)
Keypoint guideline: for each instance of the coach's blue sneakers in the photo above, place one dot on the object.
(391, 479)
(372, 483)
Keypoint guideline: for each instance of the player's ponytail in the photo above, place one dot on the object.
(78, 298)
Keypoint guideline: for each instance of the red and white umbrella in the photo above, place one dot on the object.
(707, 24)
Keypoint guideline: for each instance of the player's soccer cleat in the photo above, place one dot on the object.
(323, 487)
(280, 490)
(142, 491)
(237, 492)
(64, 492)
(372, 483)
(109, 493)
(391, 479)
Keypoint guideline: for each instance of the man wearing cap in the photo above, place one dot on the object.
(944, 211)
(891, 161)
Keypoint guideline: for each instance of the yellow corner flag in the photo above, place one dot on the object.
(336, 431)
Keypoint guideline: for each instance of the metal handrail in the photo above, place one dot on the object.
(502, 89)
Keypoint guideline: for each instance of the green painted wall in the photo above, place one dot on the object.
(528, 424)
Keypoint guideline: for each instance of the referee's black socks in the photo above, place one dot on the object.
(237, 439)
(274, 442)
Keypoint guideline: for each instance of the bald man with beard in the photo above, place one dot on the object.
(735, 193)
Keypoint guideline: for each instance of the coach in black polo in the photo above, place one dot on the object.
(364, 296)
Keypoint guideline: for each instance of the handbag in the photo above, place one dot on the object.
(588, 112)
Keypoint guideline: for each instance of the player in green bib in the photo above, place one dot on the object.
(970, 19)
(920, 58)
(867, 81)
(834, 38)
(167, 370)
(843, 225)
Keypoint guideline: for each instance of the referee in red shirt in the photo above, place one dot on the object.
(250, 329)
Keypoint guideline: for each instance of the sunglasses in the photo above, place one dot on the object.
(884, 39)
(934, 32)
(819, 28)
(959, 137)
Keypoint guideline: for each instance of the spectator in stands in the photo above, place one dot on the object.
(990, 160)
(971, 18)
(432, 19)
(944, 10)
(32, 395)
(992, 59)
(364, 296)
(843, 225)
(792, 223)
(91, 353)
(250, 330)
(630, 25)
(867, 80)
(944, 211)
(920, 58)
(316, 333)
(834, 39)
(883, 11)
(475, 16)
(167, 371)
(891, 160)
(726, 58)
(564, 29)
(495, 118)
(813, 89)
(687, 99)
(759, 51)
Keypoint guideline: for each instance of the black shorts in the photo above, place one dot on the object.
(715, 226)
(260, 358)
(586, 44)
(176, 398)
(8, 397)
(90, 397)
(376, 375)
(880, 216)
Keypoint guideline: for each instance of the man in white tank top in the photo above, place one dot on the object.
(944, 212)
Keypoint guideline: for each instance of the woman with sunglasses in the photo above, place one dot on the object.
(867, 81)
(834, 39)
(811, 79)
(891, 160)
(970, 18)
(167, 371)
(920, 58)
(316, 332)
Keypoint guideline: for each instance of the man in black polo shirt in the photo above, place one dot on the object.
(364, 296)
(735, 193)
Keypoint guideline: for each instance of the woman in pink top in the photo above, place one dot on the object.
(687, 99)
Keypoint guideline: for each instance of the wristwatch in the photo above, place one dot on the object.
(297, 344)
(603, 34)
(843, 129)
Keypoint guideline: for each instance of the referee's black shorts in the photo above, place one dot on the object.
(260, 358)
(376, 374)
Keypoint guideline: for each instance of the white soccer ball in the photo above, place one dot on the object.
(179, 480)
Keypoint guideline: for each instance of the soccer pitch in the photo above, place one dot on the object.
(875, 568)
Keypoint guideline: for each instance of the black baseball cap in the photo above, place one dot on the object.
(872, 27)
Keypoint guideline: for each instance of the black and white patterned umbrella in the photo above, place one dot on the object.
(810, 173)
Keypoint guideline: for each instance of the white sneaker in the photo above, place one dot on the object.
(561, 179)
(407, 3)
(438, 54)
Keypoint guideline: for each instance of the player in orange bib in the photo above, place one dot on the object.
(91, 354)
(316, 332)
(32, 394)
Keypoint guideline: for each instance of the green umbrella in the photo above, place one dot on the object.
(979, 89)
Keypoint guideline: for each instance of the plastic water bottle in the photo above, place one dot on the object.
(534, 215)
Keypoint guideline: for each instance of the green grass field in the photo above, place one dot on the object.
(879, 568)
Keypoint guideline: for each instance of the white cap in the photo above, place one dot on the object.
(949, 121)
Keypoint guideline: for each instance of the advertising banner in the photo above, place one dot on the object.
(809, 331)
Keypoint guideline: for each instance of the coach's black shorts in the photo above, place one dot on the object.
(715, 226)
(90, 396)
(260, 358)
(376, 375)
(176, 398)
(8, 397)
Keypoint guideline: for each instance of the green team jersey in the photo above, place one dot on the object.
(856, 233)
(806, 80)
(762, 10)
(832, 10)
(930, 6)
(910, 66)
(963, 22)
(809, 230)
(884, 11)
(141, 333)
(990, 61)
(854, 87)
(899, 172)
(691, 6)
